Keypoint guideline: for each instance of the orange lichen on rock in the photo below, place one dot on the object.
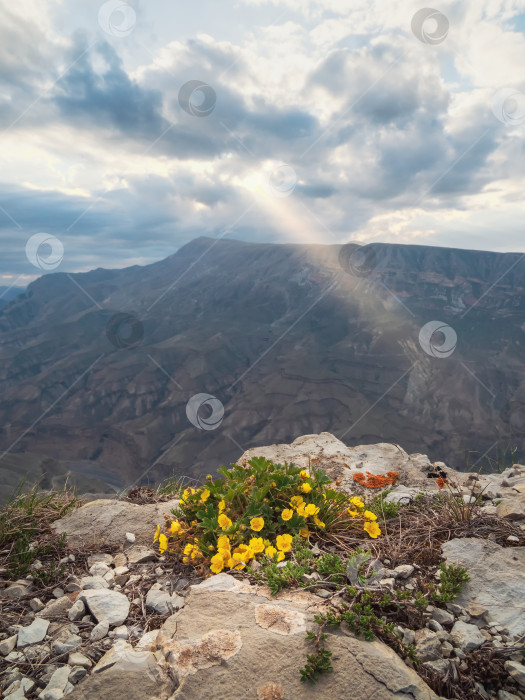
(375, 481)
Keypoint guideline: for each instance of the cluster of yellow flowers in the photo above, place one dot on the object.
(370, 525)
(305, 510)
(244, 553)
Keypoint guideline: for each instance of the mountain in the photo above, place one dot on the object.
(97, 369)
(7, 294)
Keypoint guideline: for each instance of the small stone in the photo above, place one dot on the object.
(455, 608)
(404, 570)
(140, 554)
(18, 688)
(434, 626)
(323, 593)
(442, 616)
(120, 559)
(51, 694)
(121, 632)
(99, 568)
(443, 636)
(516, 672)
(59, 678)
(36, 605)
(428, 647)
(90, 583)
(130, 537)
(109, 576)
(121, 570)
(102, 557)
(386, 562)
(466, 637)
(468, 499)
(77, 611)
(446, 649)
(438, 665)
(77, 674)
(72, 643)
(505, 695)
(78, 659)
(15, 656)
(56, 609)
(460, 653)
(513, 538)
(409, 636)
(33, 634)
(99, 631)
(16, 590)
(389, 582)
(58, 592)
(7, 645)
(162, 602)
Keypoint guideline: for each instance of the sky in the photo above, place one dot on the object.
(128, 129)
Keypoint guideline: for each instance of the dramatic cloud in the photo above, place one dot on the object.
(323, 123)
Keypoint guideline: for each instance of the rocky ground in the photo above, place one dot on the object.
(125, 622)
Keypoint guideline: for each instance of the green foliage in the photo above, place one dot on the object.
(331, 566)
(282, 577)
(319, 662)
(451, 582)
(23, 523)
(383, 510)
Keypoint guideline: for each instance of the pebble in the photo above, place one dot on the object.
(78, 659)
(58, 592)
(101, 557)
(36, 605)
(99, 631)
(121, 632)
(72, 643)
(33, 634)
(323, 593)
(130, 537)
(7, 645)
(120, 560)
(77, 674)
(513, 538)
(442, 616)
(404, 570)
(99, 568)
(77, 611)
(434, 626)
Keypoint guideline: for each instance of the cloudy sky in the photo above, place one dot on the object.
(127, 129)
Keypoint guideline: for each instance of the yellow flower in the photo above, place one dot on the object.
(157, 533)
(223, 542)
(257, 545)
(205, 495)
(372, 529)
(318, 522)
(257, 524)
(305, 532)
(305, 488)
(163, 543)
(174, 527)
(185, 560)
(356, 501)
(371, 516)
(303, 474)
(222, 506)
(296, 501)
(274, 484)
(301, 510)
(270, 551)
(217, 563)
(186, 493)
(280, 556)
(353, 513)
(311, 509)
(224, 521)
(287, 514)
(284, 542)
(188, 549)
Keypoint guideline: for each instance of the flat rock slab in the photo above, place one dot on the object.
(497, 579)
(106, 605)
(342, 462)
(231, 641)
(107, 521)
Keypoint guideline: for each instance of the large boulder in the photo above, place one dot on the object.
(497, 580)
(233, 640)
(107, 522)
(342, 462)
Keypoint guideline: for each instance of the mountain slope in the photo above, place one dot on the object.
(290, 339)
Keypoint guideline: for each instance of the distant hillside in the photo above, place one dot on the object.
(291, 340)
(7, 294)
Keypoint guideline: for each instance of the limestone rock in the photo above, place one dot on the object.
(516, 672)
(106, 521)
(140, 554)
(56, 609)
(466, 637)
(512, 508)
(162, 602)
(442, 616)
(497, 579)
(428, 646)
(7, 645)
(99, 631)
(107, 605)
(32, 634)
(77, 611)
